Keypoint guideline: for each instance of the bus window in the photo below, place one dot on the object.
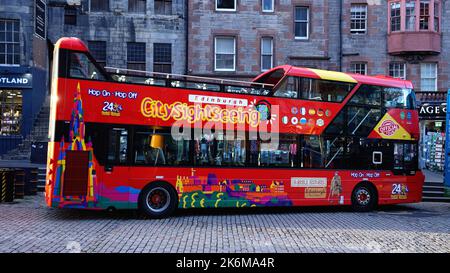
(288, 88)
(405, 156)
(97, 133)
(246, 90)
(334, 153)
(362, 120)
(81, 67)
(356, 154)
(280, 152)
(358, 121)
(217, 150)
(314, 89)
(118, 146)
(157, 147)
(336, 127)
(398, 156)
(410, 158)
(311, 154)
(399, 98)
(367, 95)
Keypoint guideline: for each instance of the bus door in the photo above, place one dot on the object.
(116, 168)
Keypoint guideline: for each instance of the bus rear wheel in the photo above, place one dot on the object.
(158, 200)
(364, 197)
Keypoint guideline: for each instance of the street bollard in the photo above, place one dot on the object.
(31, 180)
(7, 185)
(19, 183)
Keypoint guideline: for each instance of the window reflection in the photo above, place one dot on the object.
(368, 95)
(399, 98)
(118, 145)
(313, 89)
(81, 67)
(218, 150)
(281, 152)
(157, 147)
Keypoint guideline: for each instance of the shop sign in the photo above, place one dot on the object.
(40, 19)
(430, 111)
(16, 81)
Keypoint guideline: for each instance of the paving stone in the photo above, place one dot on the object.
(30, 226)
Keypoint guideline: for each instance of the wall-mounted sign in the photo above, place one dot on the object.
(433, 111)
(40, 19)
(16, 81)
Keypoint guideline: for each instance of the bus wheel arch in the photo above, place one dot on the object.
(158, 199)
(364, 196)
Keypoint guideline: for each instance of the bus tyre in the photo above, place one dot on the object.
(158, 200)
(364, 197)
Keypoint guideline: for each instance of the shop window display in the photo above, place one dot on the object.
(433, 149)
(10, 111)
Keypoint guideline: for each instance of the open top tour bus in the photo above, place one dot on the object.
(128, 139)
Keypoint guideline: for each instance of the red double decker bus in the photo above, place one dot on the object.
(293, 136)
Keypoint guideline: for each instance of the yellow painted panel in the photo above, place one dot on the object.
(333, 75)
(391, 129)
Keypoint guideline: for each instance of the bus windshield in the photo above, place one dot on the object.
(399, 98)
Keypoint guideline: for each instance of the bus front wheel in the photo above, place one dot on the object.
(158, 200)
(364, 197)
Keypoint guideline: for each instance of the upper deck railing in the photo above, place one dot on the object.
(188, 81)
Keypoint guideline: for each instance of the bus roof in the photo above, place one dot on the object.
(72, 43)
(274, 75)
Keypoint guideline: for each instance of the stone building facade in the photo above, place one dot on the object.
(407, 39)
(23, 68)
(347, 35)
(138, 34)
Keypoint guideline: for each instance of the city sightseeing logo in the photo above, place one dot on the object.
(192, 113)
(388, 128)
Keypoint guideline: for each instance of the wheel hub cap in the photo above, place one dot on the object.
(363, 197)
(158, 199)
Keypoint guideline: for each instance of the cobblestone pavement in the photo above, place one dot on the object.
(29, 226)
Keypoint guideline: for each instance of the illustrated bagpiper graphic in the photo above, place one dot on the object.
(335, 187)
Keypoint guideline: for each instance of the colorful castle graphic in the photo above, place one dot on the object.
(213, 192)
(77, 143)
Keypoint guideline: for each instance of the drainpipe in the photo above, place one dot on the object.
(186, 31)
(341, 2)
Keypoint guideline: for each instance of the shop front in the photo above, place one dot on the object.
(21, 97)
(432, 114)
